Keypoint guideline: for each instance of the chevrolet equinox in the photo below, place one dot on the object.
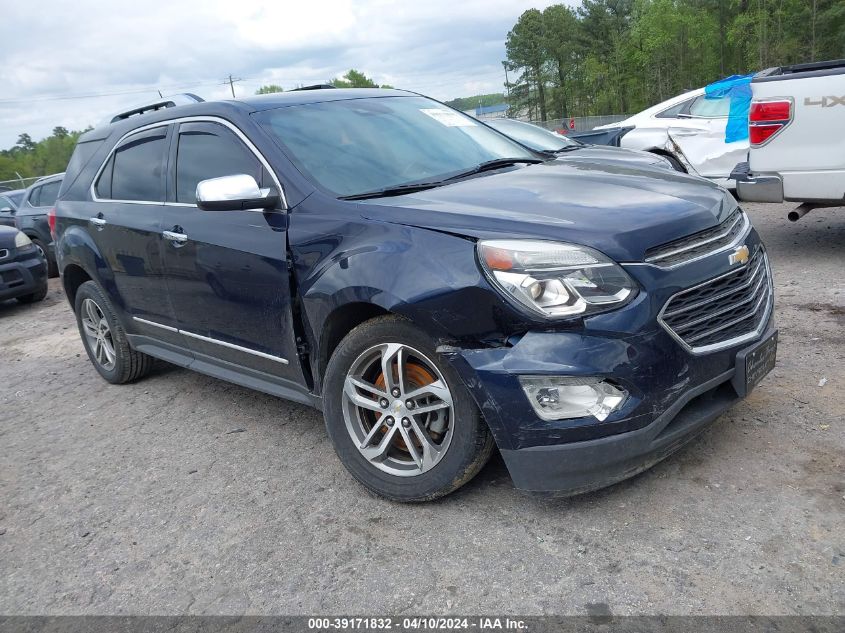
(435, 288)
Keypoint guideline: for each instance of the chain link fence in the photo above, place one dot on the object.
(17, 183)
(574, 124)
(581, 123)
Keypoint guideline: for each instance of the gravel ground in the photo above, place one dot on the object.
(184, 494)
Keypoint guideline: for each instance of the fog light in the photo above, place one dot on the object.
(562, 397)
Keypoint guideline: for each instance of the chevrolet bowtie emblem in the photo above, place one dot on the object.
(739, 256)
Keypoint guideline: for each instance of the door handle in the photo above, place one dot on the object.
(98, 222)
(176, 238)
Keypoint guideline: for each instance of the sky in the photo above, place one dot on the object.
(62, 62)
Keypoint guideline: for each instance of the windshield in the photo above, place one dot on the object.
(536, 138)
(359, 145)
(15, 197)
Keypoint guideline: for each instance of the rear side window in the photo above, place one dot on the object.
(710, 108)
(133, 172)
(210, 150)
(82, 154)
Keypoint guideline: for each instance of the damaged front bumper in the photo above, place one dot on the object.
(672, 396)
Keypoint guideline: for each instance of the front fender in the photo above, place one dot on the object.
(432, 278)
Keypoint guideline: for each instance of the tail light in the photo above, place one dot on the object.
(767, 118)
(51, 220)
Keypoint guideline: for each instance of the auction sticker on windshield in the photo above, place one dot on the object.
(448, 118)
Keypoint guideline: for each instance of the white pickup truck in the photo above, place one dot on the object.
(796, 128)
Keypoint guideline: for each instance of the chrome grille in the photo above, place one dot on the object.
(699, 244)
(723, 311)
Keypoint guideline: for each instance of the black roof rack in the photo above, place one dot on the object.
(167, 102)
(315, 87)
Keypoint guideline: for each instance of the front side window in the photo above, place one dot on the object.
(358, 145)
(710, 108)
(210, 150)
(134, 170)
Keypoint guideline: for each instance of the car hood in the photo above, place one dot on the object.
(614, 155)
(621, 210)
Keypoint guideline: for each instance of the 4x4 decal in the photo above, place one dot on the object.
(825, 102)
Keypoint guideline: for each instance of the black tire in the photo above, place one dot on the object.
(471, 441)
(38, 295)
(129, 365)
(52, 267)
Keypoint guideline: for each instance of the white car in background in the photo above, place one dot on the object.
(690, 131)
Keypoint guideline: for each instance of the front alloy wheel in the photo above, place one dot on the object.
(398, 414)
(398, 409)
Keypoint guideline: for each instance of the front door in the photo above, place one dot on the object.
(125, 222)
(227, 270)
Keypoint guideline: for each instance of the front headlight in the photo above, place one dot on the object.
(555, 279)
(22, 241)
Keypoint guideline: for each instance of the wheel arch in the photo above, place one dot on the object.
(338, 324)
(73, 277)
(666, 153)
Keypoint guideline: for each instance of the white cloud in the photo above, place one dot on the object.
(55, 48)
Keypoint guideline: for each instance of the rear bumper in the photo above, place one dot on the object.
(757, 188)
(20, 278)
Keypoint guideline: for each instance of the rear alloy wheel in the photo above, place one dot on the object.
(104, 339)
(399, 416)
(96, 328)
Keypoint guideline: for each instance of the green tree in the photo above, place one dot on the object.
(354, 79)
(269, 89)
(524, 46)
(470, 103)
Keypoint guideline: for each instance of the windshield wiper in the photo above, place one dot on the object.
(396, 190)
(496, 163)
(413, 187)
(567, 148)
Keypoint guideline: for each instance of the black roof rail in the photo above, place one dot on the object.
(167, 102)
(315, 87)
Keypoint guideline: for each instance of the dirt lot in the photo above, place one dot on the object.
(184, 494)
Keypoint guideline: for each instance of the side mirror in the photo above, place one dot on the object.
(234, 193)
(7, 210)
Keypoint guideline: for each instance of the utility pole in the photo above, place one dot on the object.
(231, 83)
(507, 82)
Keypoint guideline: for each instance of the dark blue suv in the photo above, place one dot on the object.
(435, 288)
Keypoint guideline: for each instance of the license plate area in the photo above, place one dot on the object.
(753, 363)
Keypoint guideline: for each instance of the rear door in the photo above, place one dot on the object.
(125, 222)
(699, 132)
(228, 270)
